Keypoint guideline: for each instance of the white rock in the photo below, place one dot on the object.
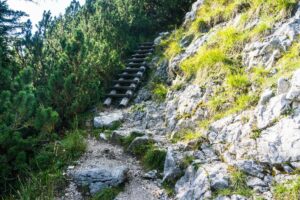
(190, 16)
(281, 142)
(99, 178)
(107, 119)
(294, 93)
(266, 114)
(283, 86)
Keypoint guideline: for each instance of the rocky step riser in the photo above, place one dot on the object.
(128, 76)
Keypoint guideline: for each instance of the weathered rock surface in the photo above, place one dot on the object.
(99, 178)
(267, 52)
(198, 183)
(107, 119)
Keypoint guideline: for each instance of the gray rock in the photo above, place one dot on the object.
(266, 114)
(193, 185)
(108, 119)
(251, 167)
(266, 96)
(190, 16)
(96, 179)
(150, 175)
(281, 142)
(102, 136)
(294, 93)
(197, 183)
(283, 86)
(171, 167)
(256, 182)
(266, 52)
(186, 41)
(183, 103)
(161, 36)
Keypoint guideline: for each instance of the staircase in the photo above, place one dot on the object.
(130, 78)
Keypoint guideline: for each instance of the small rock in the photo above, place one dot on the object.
(138, 142)
(108, 119)
(71, 167)
(150, 175)
(103, 136)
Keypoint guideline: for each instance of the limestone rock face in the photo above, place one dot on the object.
(190, 16)
(294, 93)
(97, 179)
(267, 52)
(181, 104)
(107, 119)
(197, 183)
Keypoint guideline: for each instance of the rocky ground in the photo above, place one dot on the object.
(104, 163)
(262, 143)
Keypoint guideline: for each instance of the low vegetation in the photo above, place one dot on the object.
(238, 185)
(289, 190)
(108, 193)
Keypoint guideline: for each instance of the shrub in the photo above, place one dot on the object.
(160, 92)
(154, 159)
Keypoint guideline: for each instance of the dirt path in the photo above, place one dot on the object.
(104, 154)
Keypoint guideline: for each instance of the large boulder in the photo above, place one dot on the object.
(97, 179)
(108, 119)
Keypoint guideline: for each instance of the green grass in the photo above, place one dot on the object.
(108, 193)
(187, 161)
(154, 159)
(185, 135)
(287, 191)
(50, 163)
(238, 185)
(160, 92)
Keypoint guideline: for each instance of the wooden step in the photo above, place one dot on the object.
(141, 55)
(118, 95)
(147, 43)
(123, 88)
(130, 75)
(144, 51)
(146, 47)
(125, 81)
(137, 60)
(144, 64)
(140, 69)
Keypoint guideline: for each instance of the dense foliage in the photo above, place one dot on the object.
(49, 77)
